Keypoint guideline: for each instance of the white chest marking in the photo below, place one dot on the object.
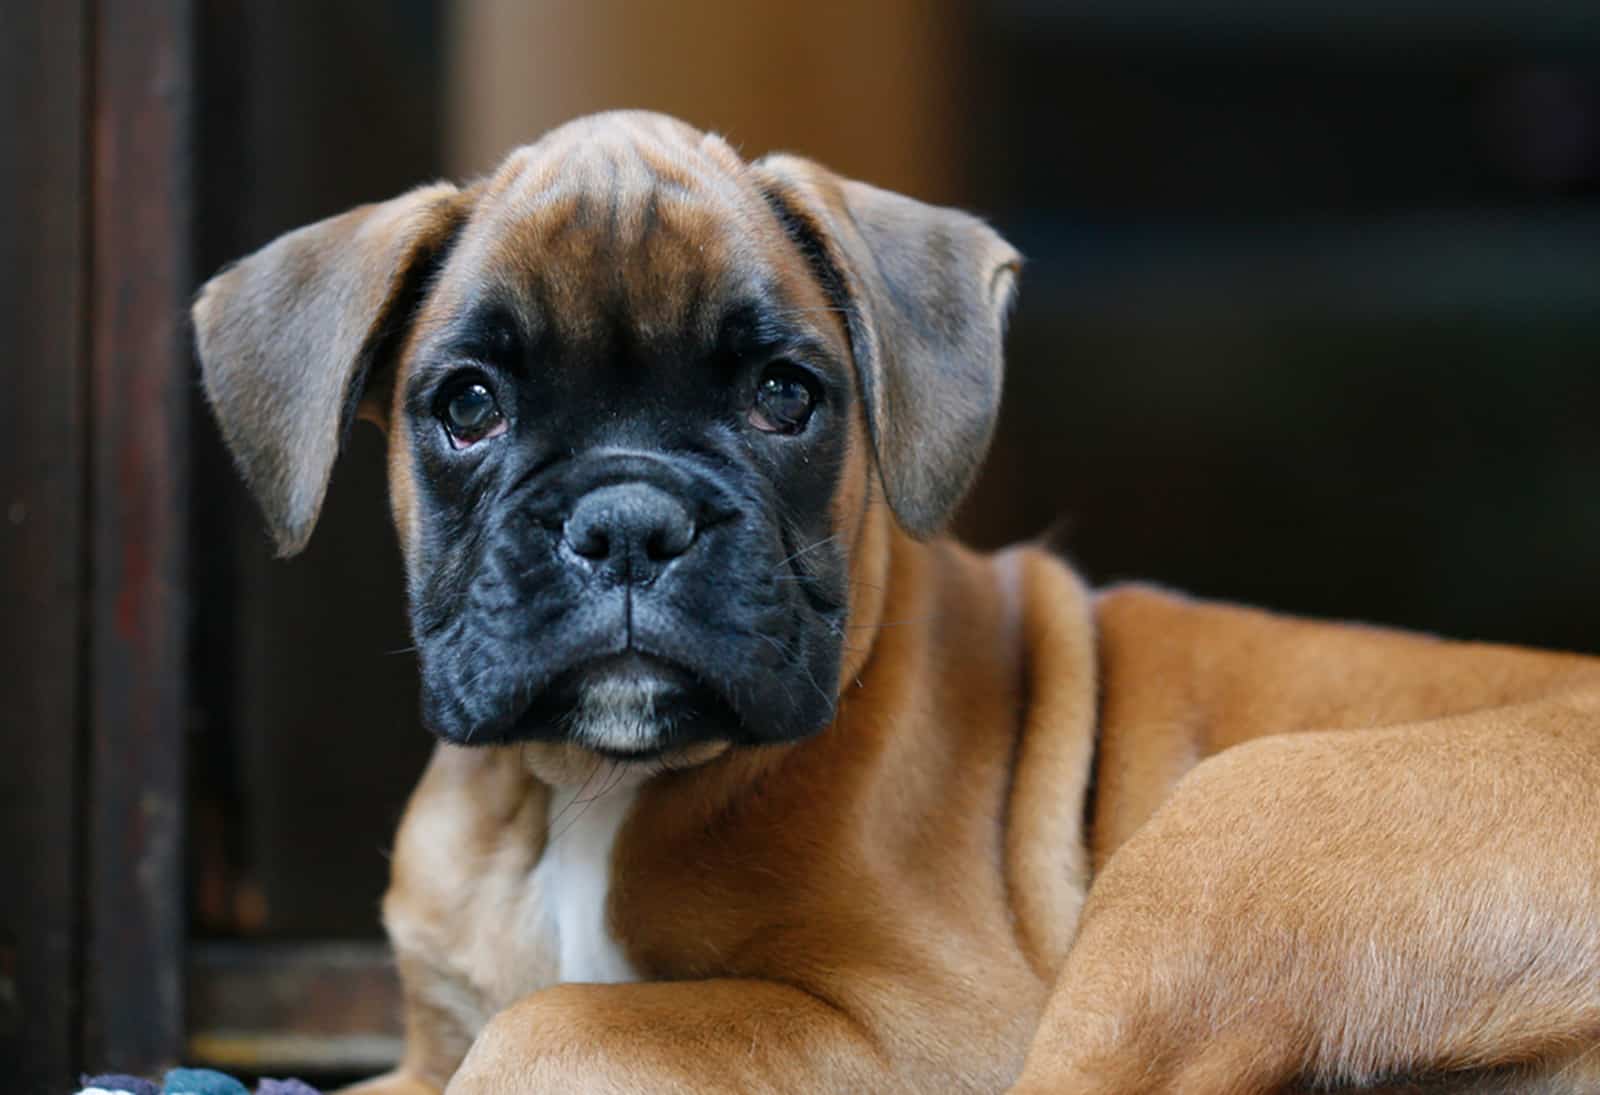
(574, 881)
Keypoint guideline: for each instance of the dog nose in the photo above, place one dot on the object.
(629, 532)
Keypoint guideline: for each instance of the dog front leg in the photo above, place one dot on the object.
(437, 1035)
(1346, 908)
(700, 1037)
(398, 1082)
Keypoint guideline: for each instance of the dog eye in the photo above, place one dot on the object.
(785, 398)
(471, 414)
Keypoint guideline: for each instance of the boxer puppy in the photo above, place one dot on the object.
(750, 781)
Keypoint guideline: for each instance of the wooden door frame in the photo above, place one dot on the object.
(93, 560)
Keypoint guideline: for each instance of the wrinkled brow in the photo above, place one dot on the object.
(751, 328)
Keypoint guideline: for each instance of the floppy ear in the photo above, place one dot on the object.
(925, 291)
(290, 337)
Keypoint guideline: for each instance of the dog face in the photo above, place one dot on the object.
(626, 415)
(640, 395)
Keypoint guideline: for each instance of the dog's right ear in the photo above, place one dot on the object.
(292, 337)
(924, 292)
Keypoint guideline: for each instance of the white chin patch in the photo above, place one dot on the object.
(618, 714)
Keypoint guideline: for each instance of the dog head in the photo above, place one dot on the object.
(639, 395)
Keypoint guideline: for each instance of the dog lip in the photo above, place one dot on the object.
(630, 756)
(629, 667)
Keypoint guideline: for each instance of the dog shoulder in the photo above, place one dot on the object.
(459, 904)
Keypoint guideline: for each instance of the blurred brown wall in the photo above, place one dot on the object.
(875, 90)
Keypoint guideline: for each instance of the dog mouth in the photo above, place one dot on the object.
(630, 706)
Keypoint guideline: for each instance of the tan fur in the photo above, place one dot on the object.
(918, 868)
(1313, 852)
(1410, 886)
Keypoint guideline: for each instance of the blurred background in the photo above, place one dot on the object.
(1309, 319)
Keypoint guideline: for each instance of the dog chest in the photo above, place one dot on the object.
(573, 882)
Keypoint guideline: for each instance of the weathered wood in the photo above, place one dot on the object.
(42, 145)
(297, 1007)
(139, 389)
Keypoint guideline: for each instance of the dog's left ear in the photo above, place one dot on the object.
(925, 291)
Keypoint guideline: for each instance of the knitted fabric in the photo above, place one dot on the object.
(188, 1081)
(114, 1084)
(202, 1081)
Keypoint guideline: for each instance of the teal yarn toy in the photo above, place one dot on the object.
(188, 1081)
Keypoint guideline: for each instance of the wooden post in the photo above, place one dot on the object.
(140, 378)
(42, 431)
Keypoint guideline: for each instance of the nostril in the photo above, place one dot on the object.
(669, 541)
(591, 542)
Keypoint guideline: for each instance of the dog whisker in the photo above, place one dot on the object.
(906, 622)
(832, 537)
(584, 786)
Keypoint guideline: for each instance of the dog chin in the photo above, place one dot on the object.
(618, 716)
(625, 707)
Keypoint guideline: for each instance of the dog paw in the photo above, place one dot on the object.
(392, 1083)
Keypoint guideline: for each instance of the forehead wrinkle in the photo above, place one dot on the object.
(630, 216)
(646, 249)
